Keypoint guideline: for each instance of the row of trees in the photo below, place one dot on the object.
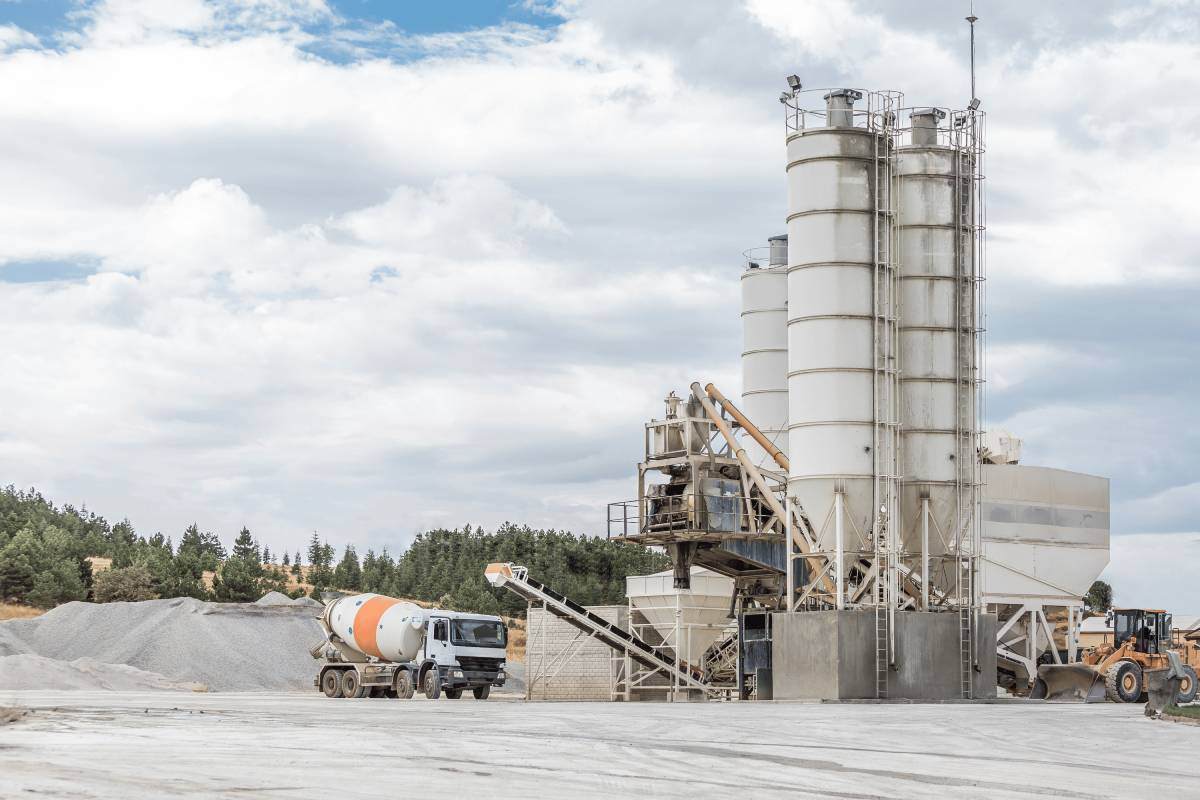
(44, 553)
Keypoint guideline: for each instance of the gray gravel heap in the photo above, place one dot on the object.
(28, 670)
(224, 646)
(273, 599)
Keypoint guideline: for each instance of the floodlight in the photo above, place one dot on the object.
(794, 82)
(974, 106)
(785, 97)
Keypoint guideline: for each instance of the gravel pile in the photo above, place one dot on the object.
(224, 646)
(273, 599)
(30, 671)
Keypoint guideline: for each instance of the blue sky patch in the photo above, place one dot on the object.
(46, 271)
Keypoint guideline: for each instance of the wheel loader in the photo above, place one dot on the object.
(1141, 643)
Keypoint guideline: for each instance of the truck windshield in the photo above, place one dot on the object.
(479, 633)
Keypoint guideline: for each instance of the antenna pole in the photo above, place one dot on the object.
(972, 20)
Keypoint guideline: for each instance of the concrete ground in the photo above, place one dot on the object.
(166, 744)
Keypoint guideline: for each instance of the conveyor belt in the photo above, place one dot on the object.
(516, 580)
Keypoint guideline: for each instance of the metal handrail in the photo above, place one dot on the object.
(690, 512)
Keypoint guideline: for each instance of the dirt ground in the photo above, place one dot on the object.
(13, 611)
(303, 745)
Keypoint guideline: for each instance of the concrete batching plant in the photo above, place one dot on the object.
(858, 509)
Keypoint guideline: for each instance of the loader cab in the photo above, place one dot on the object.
(1149, 629)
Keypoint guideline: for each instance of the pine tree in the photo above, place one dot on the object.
(239, 579)
(348, 574)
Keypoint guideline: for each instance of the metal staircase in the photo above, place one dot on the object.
(516, 579)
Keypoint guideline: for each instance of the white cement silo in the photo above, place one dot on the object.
(764, 347)
(832, 229)
(933, 171)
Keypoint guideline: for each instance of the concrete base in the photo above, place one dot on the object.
(830, 655)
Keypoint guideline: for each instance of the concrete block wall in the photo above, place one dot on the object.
(585, 675)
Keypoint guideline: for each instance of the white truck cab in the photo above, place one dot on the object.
(463, 651)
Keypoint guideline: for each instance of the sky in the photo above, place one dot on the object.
(369, 268)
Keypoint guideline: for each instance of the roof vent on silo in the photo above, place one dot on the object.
(779, 251)
(839, 107)
(925, 126)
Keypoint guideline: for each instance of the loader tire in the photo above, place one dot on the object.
(404, 685)
(331, 683)
(1187, 688)
(1123, 683)
(352, 684)
(1039, 690)
(432, 684)
(481, 692)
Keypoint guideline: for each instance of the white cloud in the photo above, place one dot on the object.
(13, 37)
(113, 23)
(375, 295)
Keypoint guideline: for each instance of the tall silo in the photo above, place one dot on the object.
(841, 358)
(764, 345)
(935, 169)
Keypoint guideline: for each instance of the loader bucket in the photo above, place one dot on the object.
(1073, 683)
(1162, 687)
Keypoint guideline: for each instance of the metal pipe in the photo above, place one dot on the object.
(749, 427)
(755, 475)
(840, 546)
(789, 573)
(925, 553)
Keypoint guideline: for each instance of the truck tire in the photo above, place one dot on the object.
(481, 692)
(1123, 683)
(403, 685)
(432, 684)
(331, 683)
(453, 694)
(352, 684)
(1188, 688)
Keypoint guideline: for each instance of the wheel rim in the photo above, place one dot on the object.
(1127, 682)
(1186, 687)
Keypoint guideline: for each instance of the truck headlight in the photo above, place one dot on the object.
(458, 673)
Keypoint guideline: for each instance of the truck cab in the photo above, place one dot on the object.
(462, 651)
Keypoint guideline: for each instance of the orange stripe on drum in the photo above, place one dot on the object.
(366, 623)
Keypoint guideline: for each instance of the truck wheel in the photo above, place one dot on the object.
(331, 683)
(1123, 683)
(352, 684)
(1188, 687)
(453, 694)
(404, 685)
(481, 692)
(432, 684)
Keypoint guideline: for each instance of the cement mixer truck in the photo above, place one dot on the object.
(377, 646)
